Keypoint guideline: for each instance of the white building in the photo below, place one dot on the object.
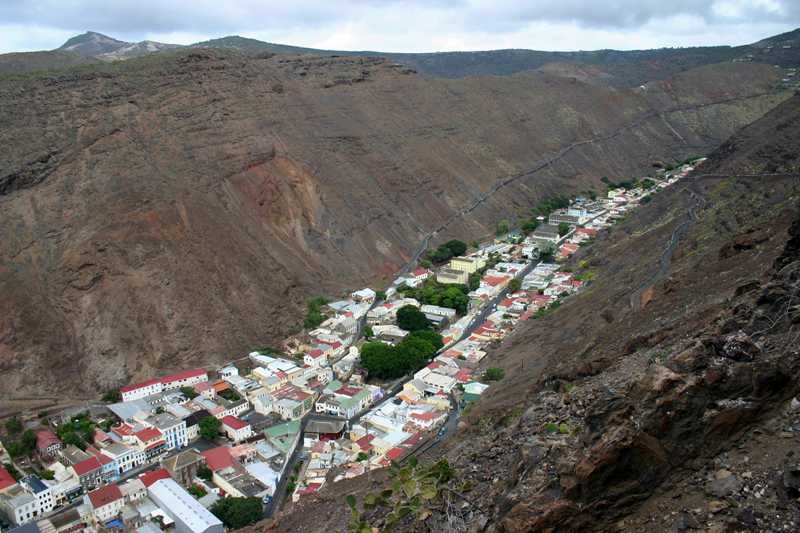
(172, 428)
(137, 391)
(19, 506)
(44, 496)
(187, 513)
(126, 457)
(364, 295)
(438, 311)
(236, 429)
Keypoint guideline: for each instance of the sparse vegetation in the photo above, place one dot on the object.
(314, 316)
(189, 392)
(112, 396)
(494, 374)
(417, 493)
(197, 491)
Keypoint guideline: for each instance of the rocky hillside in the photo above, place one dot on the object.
(179, 208)
(664, 396)
(615, 68)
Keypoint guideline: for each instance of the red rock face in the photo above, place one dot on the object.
(178, 210)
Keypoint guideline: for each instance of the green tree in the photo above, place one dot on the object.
(197, 491)
(514, 285)
(205, 473)
(362, 457)
(112, 396)
(456, 247)
(13, 425)
(411, 318)
(47, 474)
(29, 440)
(546, 254)
(502, 227)
(563, 229)
(189, 392)
(494, 374)
(380, 295)
(209, 427)
(314, 315)
(530, 225)
(380, 360)
(475, 244)
(368, 333)
(431, 337)
(237, 513)
(412, 353)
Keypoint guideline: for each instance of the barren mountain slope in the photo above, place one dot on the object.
(179, 208)
(661, 397)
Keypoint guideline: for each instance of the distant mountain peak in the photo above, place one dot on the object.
(97, 45)
(92, 43)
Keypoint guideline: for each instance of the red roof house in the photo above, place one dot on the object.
(234, 423)
(85, 467)
(364, 443)
(218, 458)
(45, 439)
(148, 434)
(148, 478)
(134, 386)
(395, 453)
(105, 495)
(186, 374)
(6, 479)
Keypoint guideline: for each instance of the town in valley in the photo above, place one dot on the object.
(373, 379)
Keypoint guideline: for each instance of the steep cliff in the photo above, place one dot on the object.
(664, 396)
(178, 209)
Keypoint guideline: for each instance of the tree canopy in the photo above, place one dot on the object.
(411, 318)
(412, 353)
(447, 250)
(209, 427)
(237, 513)
(435, 293)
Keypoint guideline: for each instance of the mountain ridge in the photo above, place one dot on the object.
(610, 67)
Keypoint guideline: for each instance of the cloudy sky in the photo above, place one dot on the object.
(404, 25)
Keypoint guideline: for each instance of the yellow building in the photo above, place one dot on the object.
(467, 264)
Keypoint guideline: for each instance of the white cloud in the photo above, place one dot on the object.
(405, 25)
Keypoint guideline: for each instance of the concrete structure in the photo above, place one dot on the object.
(189, 515)
(450, 276)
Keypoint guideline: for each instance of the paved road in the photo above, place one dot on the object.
(489, 308)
